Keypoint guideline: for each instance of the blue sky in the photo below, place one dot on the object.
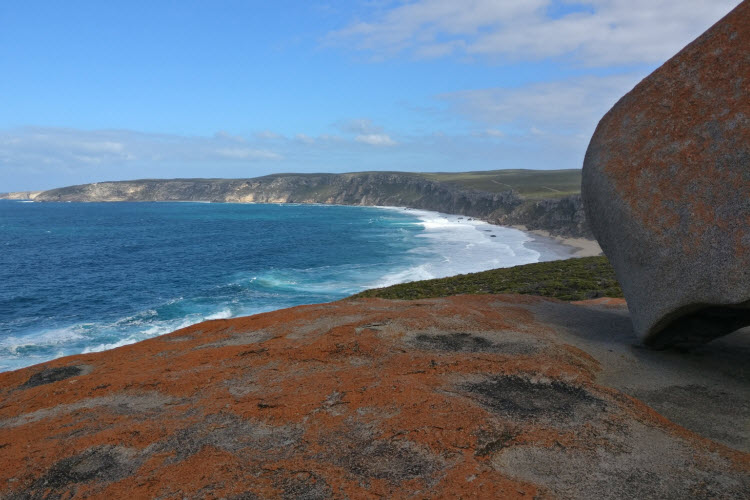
(95, 91)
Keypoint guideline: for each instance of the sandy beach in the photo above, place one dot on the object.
(580, 247)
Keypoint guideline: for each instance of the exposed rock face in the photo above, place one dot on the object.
(494, 396)
(345, 189)
(666, 184)
(20, 195)
(559, 217)
(563, 216)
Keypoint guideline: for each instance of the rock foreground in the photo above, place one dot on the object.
(666, 184)
(491, 396)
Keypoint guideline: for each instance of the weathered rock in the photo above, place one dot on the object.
(666, 186)
(562, 216)
(493, 396)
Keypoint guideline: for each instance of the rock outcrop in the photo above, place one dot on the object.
(20, 195)
(377, 188)
(666, 184)
(494, 396)
(562, 216)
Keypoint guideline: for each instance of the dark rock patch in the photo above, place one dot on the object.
(458, 341)
(516, 397)
(304, 485)
(50, 375)
(466, 342)
(363, 452)
(235, 435)
(102, 464)
(392, 460)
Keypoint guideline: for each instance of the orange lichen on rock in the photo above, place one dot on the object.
(355, 399)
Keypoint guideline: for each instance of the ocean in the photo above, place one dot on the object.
(85, 277)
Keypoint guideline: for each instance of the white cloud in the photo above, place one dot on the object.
(375, 139)
(591, 32)
(226, 136)
(248, 154)
(493, 132)
(365, 132)
(304, 138)
(358, 126)
(568, 106)
(268, 135)
(43, 158)
(70, 148)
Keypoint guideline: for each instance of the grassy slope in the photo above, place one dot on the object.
(572, 279)
(532, 184)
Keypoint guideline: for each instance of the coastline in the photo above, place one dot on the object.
(579, 247)
(540, 238)
(548, 247)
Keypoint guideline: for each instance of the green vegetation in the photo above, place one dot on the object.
(532, 184)
(572, 279)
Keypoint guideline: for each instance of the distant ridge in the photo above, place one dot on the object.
(546, 200)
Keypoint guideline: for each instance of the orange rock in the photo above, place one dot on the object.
(470, 396)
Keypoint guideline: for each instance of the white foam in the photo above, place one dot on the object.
(45, 338)
(223, 314)
(455, 244)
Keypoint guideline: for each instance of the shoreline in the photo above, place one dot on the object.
(579, 247)
(540, 238)
(549, 247)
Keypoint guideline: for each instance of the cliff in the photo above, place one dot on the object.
(20, 195)
(474, 196)
(491, 396)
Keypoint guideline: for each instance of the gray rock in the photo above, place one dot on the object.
(666, 187)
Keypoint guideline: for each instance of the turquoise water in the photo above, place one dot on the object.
(83, 277)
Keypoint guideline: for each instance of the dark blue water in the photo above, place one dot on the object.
(80, 277)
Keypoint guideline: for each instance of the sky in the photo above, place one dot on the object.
(93, 91)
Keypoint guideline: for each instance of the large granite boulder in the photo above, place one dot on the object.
(666, 185)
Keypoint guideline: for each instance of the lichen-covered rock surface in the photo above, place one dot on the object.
(666, 185)
(492, 396)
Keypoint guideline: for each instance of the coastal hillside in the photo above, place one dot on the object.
(544, 200)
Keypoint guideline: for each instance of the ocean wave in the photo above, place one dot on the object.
(391, 249)
(455, 244)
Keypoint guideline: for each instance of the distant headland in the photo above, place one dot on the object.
(547, 201)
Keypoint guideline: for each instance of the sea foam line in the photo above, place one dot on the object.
(456, 244)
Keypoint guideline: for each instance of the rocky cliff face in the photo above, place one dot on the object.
(494, 396)
(20, 195)
(561, 216)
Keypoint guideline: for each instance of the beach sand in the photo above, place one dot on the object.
(579, 247)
